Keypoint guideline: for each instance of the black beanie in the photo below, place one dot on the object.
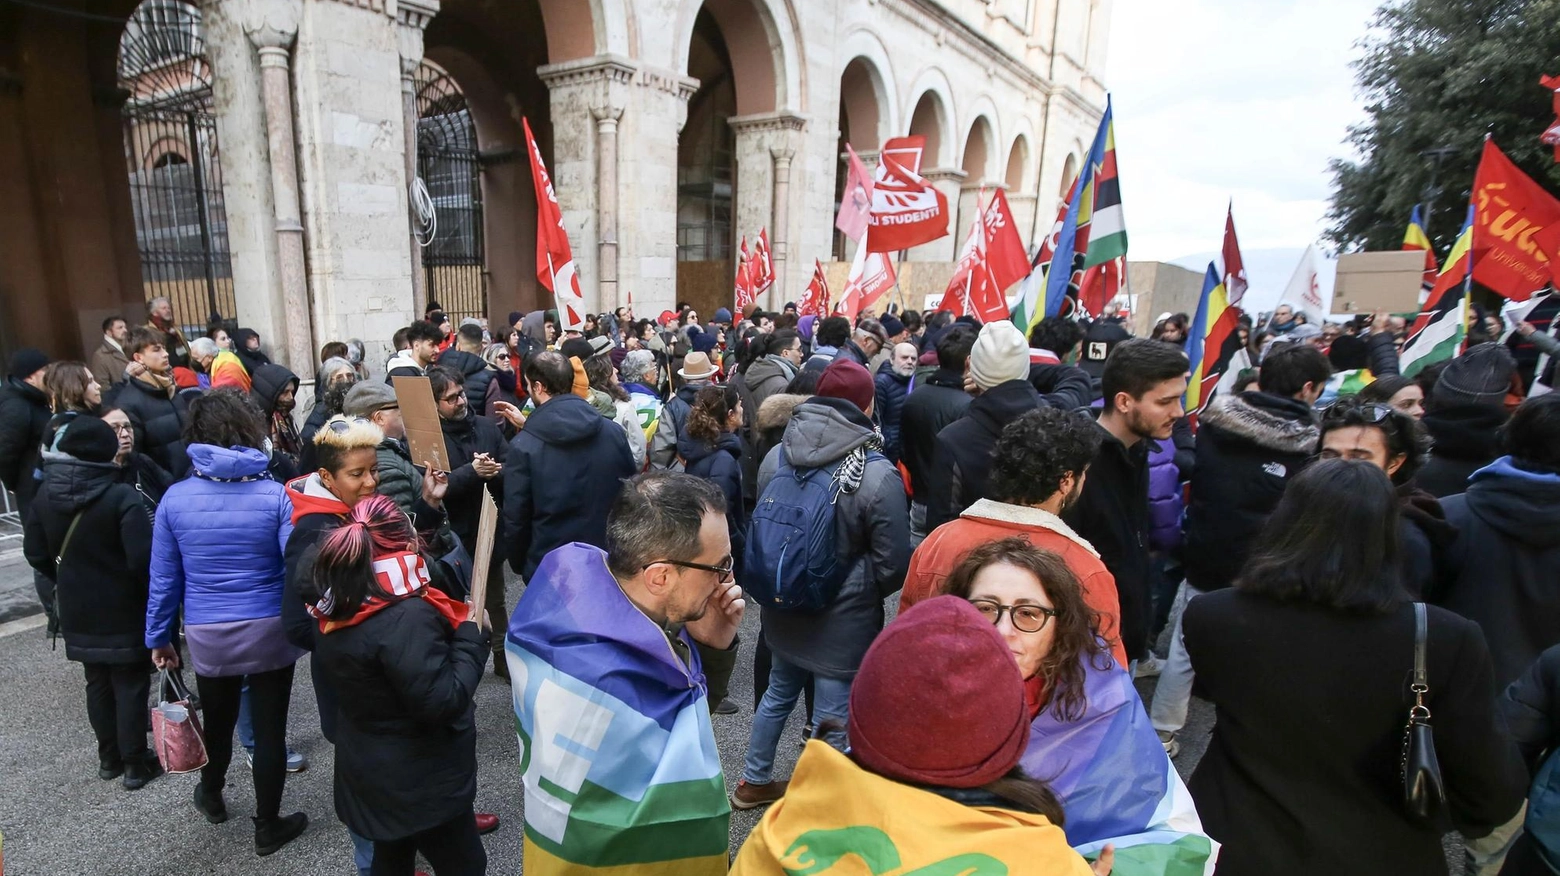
(89, 439)
(26, 362)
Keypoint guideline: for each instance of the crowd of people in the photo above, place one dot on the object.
(1328, 551)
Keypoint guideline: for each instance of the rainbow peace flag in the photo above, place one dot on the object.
(621, 771)
(1116, 784)
(1211, 341)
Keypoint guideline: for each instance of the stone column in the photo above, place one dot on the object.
(412, 17)
(276, 93)
(606, 203)
(779, 242)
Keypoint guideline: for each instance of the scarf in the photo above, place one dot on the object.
(161, 382)
(403, 575)
(854, 468)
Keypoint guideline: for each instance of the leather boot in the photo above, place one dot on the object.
(273, 833)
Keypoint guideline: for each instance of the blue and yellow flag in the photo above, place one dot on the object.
(1439, 330)
(1211, 340)
(621, 771)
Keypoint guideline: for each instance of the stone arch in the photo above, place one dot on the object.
(931, 115)
(978, 158)
(1069, 171)
(1017, 164)
(869, 60)
(761, 38)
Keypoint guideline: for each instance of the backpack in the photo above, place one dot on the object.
(790, 561)
(1542, 822)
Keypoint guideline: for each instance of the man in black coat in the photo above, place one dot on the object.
(149, 399)
(477, 451)
(1143, 382)
(563, 469)
(939, 400)
(893, 386)
(1008, 388)
(24, 414)
(1464, 412)
(466, 358)
(1248, 447)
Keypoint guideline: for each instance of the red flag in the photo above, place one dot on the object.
(1552, 135)
(744, 281)
(815, 300)
(856, 200)
(1101, 284)
(554, 258)
(906, 209)
(993, 260)
(1509, 210)
(762, 273)
(871, 276)
(1234, 266)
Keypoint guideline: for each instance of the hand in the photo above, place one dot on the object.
(435, 484)
(1107, 860)
(510, 413)
(135, 369)
(1526, 328)
(722, 617)
(165, 657)
(1379, 321)
(479, 615)
(484, 466)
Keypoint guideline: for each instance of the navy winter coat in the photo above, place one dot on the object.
(892, 388)
(721, 465)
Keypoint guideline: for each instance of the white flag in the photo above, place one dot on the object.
(1304, 292)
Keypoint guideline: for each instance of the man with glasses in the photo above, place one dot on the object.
(1037, 471)
(608, 652)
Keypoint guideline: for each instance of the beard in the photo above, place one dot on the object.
(1143, 425)
(1072, 496)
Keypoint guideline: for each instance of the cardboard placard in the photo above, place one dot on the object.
(1370, 281)
(482, 557)
(420, 413)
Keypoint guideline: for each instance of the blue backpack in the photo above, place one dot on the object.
(790, 561)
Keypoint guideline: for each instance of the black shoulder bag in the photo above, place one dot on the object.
(52, 609)
(1424, 791)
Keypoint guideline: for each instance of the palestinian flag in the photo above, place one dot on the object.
(616, 746)
(1211, 341)
(1416, 238)
(1439, 329)
(1346, 383)
(1108, 230)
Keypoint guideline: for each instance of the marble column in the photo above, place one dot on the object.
(779, 243)
(606, 203)
(276, 94)
(412, 19)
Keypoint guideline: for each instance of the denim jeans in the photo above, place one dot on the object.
(1173, 694)
(831, 702)
(362, 853)
(246, 723)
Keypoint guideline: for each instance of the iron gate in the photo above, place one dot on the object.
(450, 167)
(175, 171)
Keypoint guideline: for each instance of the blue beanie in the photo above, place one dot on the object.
(704, 342)
(723, 315)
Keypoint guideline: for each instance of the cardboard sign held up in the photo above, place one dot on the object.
(420, 413)
(487, 532)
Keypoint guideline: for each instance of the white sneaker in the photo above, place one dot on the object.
(1168, 740)
(1149, 667)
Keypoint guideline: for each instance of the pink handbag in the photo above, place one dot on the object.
(176, 735)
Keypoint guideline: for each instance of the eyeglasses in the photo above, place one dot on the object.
(1026, 618)
(502, 356)
(453, 397)
(122, 428)
(1372, 413)
(724, 570)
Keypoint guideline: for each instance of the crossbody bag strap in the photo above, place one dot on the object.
(60, 557)
(1421, 683)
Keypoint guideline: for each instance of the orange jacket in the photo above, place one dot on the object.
(987, 521)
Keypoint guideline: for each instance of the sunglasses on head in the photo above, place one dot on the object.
(342, 427)
(1372, 413)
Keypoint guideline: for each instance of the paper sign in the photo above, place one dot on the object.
(420, 413)
(487, 528)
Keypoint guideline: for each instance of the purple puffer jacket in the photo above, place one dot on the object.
(1164, 498)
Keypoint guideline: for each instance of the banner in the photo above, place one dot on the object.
(871, 276)
(907, 210)
(1510, 212)
(856, 200)
(554, 258)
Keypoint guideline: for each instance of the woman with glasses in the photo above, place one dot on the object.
(140, 471)
(504, 386)
(217, 555)
(1088, 733)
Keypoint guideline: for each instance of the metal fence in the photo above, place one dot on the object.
(450, 167)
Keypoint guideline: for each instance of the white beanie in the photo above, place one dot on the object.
(1000, 354)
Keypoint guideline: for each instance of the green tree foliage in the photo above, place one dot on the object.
(1443, 73)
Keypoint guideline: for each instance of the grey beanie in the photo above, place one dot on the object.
(1477, 377)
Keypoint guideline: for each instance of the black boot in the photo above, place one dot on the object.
(273, 833)
(210, 805)
(139, 772)
(500, 665)
(109, 770)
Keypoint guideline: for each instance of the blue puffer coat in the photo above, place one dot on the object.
(892, 388)
(1164, 498)
(217, 549)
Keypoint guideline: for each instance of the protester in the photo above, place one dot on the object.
(936, 402)
(1283, 320)
(1397, 391)
(833, 430)
(336, 376)
(230, 370)
(147, 478)
(275, 393)
(1532, 710)
(149, 399)
(830, 335)
(779, 360)
(203, 357)
(1249, 446)
(562, 470)
(109, 360)
(1464, 412)
(1055, 339)
(159, 318)
(697, 372)
(638, 374)
(893, 386)
(405, 660)
(1320, 600)
(89, 535)
(775, 414)
(466, 359)
(864, 343)
(1143, 383)
(932, 781)
(1038, 470)
(247, 346)
(1006, 387)
(1099, 342)
(424, 342)
(663, 612)
(613, 402)
(72, 391)
(505, 385)
(217, 563)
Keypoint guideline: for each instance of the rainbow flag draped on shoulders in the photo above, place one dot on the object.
(1116, 783)
(621, 771)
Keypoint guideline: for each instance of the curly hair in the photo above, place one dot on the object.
(1405, 436)
(225, 418)
(1036, 451)
(1077, 625)
(599, 371)
(340, 436)
(711, 407)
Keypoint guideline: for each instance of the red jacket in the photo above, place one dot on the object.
(988, 521)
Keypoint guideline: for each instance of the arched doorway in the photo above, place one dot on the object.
(1018, 159)
(928, 120)
(977, 151)
(173, 162)
(706, 174)
(861, 127)
(449, 202)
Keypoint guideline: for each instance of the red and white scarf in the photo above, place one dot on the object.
(403, 574)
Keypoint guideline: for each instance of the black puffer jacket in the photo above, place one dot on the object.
(464, 439)
(892, 390)
(1249, 446)
(476, 376)
(935, 402)
(158, 421)
(101, 583)
(24, 414)
(1466, 440)
(406, 741)
(721, 464)
(560, 476)
(1112, 515)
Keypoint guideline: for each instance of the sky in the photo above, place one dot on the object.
(1232, 99)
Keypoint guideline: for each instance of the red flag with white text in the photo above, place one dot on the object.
(1510, 213)
(871, 276)
(762, 274)
(907, 210)
(554, 258)
(1234, 265)
(815, 301)
(993, 260)
(744, 280)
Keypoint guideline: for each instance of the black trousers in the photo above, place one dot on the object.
(116, 706)
(452, 849)
(497, 607)
(269, 696)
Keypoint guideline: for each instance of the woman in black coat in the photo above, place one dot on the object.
(101, 534)
(405, 660)
(1308, 660)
